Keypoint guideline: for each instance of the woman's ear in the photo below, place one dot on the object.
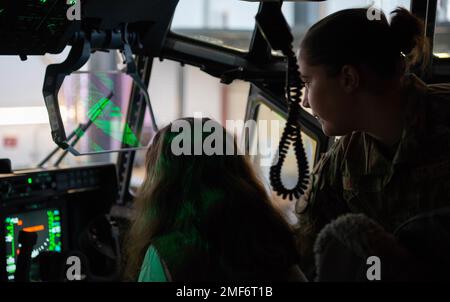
(349, 78)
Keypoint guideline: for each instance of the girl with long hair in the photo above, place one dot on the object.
(205, 217)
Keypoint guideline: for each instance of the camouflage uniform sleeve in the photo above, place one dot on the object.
(321, 203)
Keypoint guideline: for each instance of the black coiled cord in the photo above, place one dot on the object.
(291, 135)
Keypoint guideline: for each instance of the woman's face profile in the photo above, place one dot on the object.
(326, 97)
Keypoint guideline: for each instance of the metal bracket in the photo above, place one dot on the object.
(54, 78)
(78, 56)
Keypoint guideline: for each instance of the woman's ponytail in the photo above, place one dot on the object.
(350, 37)
(409, 33)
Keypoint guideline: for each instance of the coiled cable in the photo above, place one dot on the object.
(291, 134)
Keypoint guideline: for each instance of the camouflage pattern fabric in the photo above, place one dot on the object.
(357, 176)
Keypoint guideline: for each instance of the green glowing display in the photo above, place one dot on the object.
(112, 126)
(97, 109)
(30, 181)
(100, 121)
(47, 225)
(53, 220)
(79, 132)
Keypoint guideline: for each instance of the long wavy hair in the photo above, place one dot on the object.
(219, 196)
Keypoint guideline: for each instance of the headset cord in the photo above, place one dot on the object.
(291, 135)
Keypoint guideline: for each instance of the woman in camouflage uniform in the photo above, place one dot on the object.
(393, 159)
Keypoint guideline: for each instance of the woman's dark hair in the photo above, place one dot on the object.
(351, 37)
(217, 197)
